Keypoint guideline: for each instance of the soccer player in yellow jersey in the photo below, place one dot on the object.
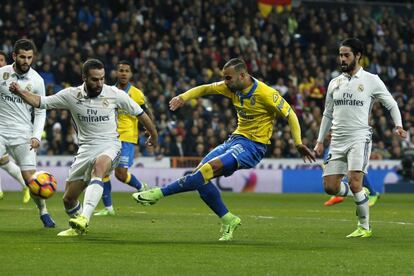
(128, 134)
(257, 106)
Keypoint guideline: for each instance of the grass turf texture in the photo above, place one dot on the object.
(285, 234)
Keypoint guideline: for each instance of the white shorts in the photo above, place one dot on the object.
(344, 157)
(23, 156)
(82, 165)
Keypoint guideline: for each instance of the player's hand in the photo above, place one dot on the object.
(176, 103)
(306, 153)
(15, 88)
(318, 149)
(34, 144)
(400, 132)
(152, 140)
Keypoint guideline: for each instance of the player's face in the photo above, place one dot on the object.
(233, 79)
(3, 61)
(23, 60)
(94, 82)
(347, 58)
(123, 73)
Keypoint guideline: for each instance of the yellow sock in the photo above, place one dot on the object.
(207, 172)
(128, 178)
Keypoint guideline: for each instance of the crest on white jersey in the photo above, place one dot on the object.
(29, 87)
(105, 103)
(361, 88)
(6, 75)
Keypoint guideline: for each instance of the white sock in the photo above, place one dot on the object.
(14, 171)
(93, 194)
(1, 189)
(41, 204)
(344, 190)
(110, 208)
(362, 208)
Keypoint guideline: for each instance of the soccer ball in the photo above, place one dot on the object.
(42, 184)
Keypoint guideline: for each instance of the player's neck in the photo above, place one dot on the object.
(356, 69)
(122, 86)
(248, 83)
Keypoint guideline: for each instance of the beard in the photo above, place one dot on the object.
(22, 68)
(348, 68)
(92, 93)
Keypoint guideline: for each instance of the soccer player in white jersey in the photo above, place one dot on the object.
(93, 106)
(5, 162)
(349, 99)
(19, 137)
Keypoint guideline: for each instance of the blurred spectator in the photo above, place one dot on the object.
(180, 44)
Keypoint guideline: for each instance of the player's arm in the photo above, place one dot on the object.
(150, 128)
(326, 122)
(39, 117)
(193, 93)
(29, 98)
(384, 96)
(284, 108)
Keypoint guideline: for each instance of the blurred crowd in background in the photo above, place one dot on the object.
(176, 45)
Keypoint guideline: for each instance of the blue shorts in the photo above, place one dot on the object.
(127, 155)
(246, 152)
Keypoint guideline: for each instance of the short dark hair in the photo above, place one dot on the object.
(237, 63)
(91, 64)
(24, 44)
(125, 62)
(3, 53)
(356, 45)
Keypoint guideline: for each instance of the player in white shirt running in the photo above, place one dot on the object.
(19, 137)
(349, 100)
(5, 162)
(93, 106)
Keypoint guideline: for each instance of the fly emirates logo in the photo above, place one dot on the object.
(348, 100)
(92, 116)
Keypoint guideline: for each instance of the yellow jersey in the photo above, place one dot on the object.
(128, 124)
(257, 107)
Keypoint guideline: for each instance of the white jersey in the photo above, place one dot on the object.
(15, 115)
(95, 118)
(349, 102)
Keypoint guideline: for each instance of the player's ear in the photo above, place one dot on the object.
(14, 56)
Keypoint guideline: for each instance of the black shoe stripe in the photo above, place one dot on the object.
(143, 199)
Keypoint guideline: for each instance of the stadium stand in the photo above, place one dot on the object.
(175, 45)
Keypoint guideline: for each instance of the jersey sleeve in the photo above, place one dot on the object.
(125, 102)
(39, 114)
(277, 103)
(60, 100)
(384, 96)
(326, 122)
(207, 89)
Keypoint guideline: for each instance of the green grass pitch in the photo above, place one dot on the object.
(283, 234)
